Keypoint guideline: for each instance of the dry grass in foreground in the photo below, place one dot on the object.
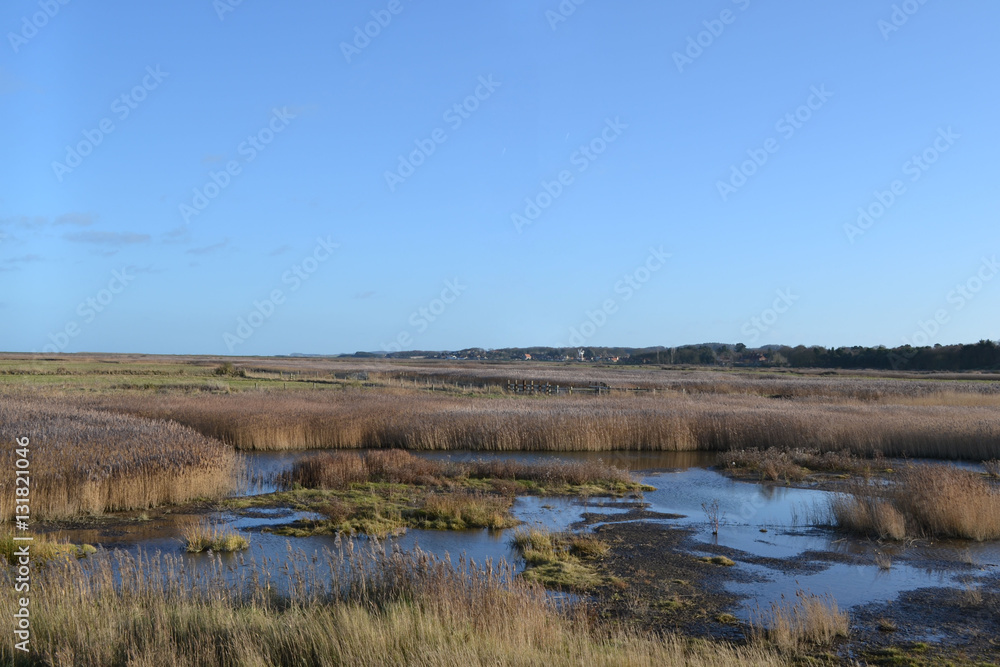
(386, 417)
(88, 461)
(396, 609)
(810, 620)
(923, 501)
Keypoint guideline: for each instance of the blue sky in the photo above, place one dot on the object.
(265, 178)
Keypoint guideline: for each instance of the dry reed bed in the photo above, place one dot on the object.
(799, 382)
(338, 470)
(922, 501)
(409, 419)
(792, 626)
(957, 389)
(372, 610)
(885, 386)
(794, 465)
(89, 461)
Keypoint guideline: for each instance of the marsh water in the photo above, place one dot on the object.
(778, 548)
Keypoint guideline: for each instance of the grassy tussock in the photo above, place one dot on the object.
(401, 609)
(808, 621)
(459, 511)
(206, 537)
(42, 549)
(923, 501)
(718, 560)
(563, 561)
(88, 461)
(386, 418)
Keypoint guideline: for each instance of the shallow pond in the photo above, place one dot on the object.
(769, 528)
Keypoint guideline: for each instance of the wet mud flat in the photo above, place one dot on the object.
(661, 580)
(930, 626)
(658, 583)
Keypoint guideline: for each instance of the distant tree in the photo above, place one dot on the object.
(777, 359)
(706, 355)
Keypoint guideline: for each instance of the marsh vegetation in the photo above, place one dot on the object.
(933, 501)
(383, 608)
(403, 418)
(90, 462)
(119, 434)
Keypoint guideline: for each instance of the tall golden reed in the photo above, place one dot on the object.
(410, 419)
(922, 501)
(89, 461)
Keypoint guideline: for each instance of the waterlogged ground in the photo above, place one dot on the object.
(768, 530)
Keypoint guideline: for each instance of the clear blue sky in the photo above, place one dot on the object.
(663, 121)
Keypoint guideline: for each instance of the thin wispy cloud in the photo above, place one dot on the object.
(23, 259)
(80, 219)
(10, 84)
(107, 238)
(205, 250)
(145, 269)
(180, 234)
(14, 263)
(24, 221)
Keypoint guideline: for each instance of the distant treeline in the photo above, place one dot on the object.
(984, 355)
